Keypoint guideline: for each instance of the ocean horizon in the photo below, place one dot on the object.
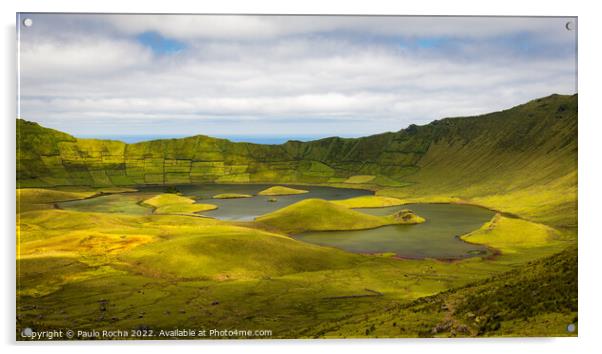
(132, 139)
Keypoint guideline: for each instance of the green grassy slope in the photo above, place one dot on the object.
(104, 271)
(521, 160)
(536, 299)
(225, 252)
(170, 246)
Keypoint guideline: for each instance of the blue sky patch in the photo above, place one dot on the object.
(160, 44)
(430, 42)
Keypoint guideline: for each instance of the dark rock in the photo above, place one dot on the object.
(442, 327)
(462, 329)
(404, 214)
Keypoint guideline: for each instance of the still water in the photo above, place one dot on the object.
(436, 238)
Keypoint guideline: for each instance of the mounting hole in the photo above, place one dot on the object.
(28, 22)
(27, 332)
(571, 328)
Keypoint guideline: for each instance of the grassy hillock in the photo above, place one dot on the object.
(281, 190)
(225, 252)
(169, 203)
(406, 216)
(321, 215)
(510, 234)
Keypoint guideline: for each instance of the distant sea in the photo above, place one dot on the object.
(130, 139)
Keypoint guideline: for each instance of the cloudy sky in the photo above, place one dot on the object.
(285, 76)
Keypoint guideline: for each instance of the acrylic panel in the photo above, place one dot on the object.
(284, 176)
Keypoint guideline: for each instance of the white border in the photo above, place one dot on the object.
(590, 132)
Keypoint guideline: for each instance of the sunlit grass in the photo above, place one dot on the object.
(510, 235)
(167, 271)
(369, 201)
(281, 190)
(321, 215)
(169, 203)
(360, 179)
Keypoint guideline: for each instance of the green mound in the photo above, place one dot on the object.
(225, 252)
(322, 215)
(231, 196)
(369, 201)
(510, 235)
(184, 208)
(406, 216)
(281, 190)
(169, 203)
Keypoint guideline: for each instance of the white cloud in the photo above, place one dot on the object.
(98, 79)
(262, 27)
(53, 58)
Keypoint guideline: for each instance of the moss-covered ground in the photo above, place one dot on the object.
(103, 270)
(100, 270)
